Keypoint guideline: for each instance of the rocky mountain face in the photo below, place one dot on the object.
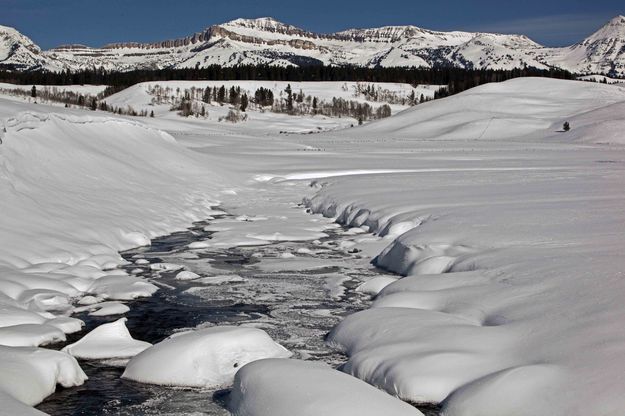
(267, 41)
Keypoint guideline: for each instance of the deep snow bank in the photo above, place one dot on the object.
(512, 302)
(279, 387)
(75, 190)
(31, 374)
(513, 109)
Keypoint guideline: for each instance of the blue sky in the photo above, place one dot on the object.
(96, 22)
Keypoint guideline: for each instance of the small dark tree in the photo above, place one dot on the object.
(221, 95)
(152, 113)
(244, 102)
(33, 92)
(207, 95)
(566, 126)
(94, 104)
(314, 105)
(289, 98)
(234, 95)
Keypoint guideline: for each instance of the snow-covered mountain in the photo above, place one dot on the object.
(19, 52)
(267, 41)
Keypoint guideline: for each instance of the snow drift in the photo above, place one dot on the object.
(278, 387)
(202, 358)
(75, 190)
(513, 293)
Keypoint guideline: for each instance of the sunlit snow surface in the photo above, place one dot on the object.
(507, 230)
(287, 298)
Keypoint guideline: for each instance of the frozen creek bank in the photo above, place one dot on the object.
(508, 231)
(296, 298)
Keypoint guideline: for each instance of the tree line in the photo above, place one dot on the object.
(457, 79)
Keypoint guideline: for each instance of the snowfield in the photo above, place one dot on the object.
(145, 97)
(505, 234)
(74, 190)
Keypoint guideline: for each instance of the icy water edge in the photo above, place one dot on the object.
(296, 307)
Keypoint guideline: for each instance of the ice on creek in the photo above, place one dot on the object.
(187, 275)
(107, 341)
(282, 387)
(166, 267)
(202, 358)
(221, 279)
(199, 245)
(334, 284)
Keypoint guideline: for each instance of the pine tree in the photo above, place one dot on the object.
(94, 104)
(33, 92)
(152, 113)
(289, 98)
(207, 95)
(566, 126)
(244, 102)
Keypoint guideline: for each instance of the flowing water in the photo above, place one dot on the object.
(297, 301)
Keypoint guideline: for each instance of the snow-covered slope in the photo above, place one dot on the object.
(603, 52)
(510, 242)
(267, 41)
(19, 52)
(75, 189)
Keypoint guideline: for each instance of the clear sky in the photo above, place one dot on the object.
(97, 22)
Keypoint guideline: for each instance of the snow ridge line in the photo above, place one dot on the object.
(29, 120)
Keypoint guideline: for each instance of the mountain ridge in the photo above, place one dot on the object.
(268, 41)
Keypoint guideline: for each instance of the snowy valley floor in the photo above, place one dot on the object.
(508, 231)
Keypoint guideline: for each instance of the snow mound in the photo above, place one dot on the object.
(497, 111)
(374, 286)
(202, 358)
(31, 374)
(110, 340)
(279, 387)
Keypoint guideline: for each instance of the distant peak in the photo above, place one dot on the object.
(614, 29)
(259, 22)
(15, 37)
(620, 19)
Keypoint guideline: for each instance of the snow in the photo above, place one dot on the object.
(513, 269)
(104, 309)
(202, 358)
(77, 89)
(267, 41)
(107, 341)
(505, 233)
(375, 285)
(30, 374)
(186, 275)
(279, 387)
(142, 97)
(30, 335)
(77, 188)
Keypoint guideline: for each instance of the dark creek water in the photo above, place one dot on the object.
(294, 306)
